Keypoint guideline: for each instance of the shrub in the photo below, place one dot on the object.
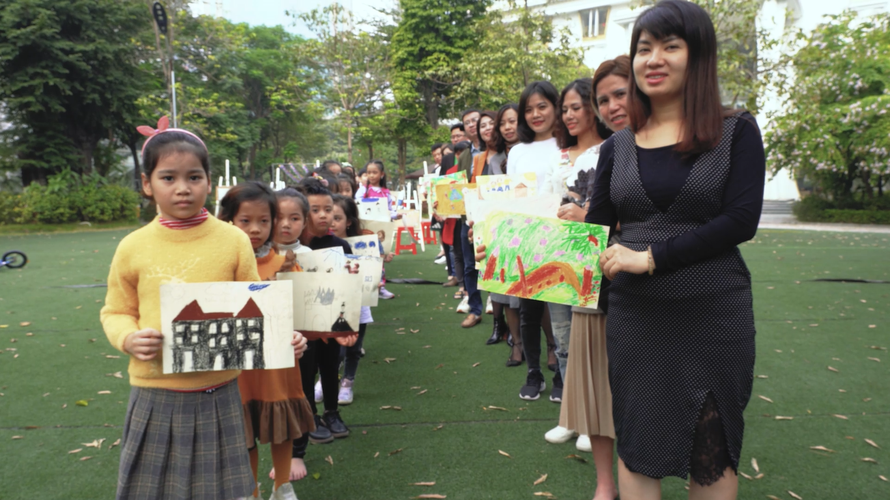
(8, 204)
(78, 203)
(815, 209)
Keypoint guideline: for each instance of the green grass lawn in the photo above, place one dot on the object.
(445, 434)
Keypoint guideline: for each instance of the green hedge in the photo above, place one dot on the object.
(81, 203)
(814, 209)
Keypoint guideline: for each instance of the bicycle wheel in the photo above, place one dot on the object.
(15, 259)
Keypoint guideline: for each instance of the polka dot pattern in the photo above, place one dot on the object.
(674, 337)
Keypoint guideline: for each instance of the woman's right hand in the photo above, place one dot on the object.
(144, 344)
(480, 250)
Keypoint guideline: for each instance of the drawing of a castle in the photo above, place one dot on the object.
(218, 340)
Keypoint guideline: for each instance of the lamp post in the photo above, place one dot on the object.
(160, 16)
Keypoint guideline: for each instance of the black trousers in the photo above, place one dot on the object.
(322, 358)
(531, 313)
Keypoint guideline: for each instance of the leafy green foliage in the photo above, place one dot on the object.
(66, 198)
(836, 127)
(511, 53)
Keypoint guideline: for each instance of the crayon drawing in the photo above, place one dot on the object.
(507, 187)
(226, 326)
(542, 258)
(385, 232)
(326, 260)
(367, 244)
(371, 271)
(445, 179)
(451, 199)
(374, 209)
(325, 305)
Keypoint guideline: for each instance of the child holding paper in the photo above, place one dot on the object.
(183, 433)
(275, 407)
(347, 224)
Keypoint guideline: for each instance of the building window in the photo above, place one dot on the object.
(251, 322)
(225, 328)
(194, 339)
(212, 343)
(240, 336)
(212, 329)
(224, 341)
(195, 327)
(593, 22)
(238, 322)
(255, 335)
(179, 340)
(180, 328)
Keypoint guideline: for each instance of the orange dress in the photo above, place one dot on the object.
(275, 407)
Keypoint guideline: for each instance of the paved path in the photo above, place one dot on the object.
(791, 223)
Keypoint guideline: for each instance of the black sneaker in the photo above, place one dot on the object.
(333, 422)
(556, 391)
(322, 434)
(534, 384)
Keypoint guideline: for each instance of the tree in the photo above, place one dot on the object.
(431, 39)
(835, 128)
(353, 63)
(68, 78)
(511, 54)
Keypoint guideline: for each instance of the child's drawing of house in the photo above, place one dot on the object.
(218, 340)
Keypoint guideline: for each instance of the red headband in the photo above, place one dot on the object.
(163, 126)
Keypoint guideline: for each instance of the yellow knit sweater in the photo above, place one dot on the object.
(153, 256)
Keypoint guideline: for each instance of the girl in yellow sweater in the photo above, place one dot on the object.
(275, 408)
(183, 436)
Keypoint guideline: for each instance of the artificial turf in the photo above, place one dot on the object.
(448, 434)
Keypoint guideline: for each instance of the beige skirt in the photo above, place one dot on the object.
(586, 398)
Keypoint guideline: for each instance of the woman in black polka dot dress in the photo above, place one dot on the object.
(685, 182)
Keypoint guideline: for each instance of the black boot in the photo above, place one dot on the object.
(497, 332)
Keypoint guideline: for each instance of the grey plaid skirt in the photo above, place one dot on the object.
(184, 446)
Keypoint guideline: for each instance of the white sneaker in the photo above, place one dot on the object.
(464, 306)
(440, 261)
(345, 395)
(284, 492)
(319, 394)
(488, 307)
(583, 443)
(559, 434)
(385, 294)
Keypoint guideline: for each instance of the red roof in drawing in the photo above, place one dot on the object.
(250, 310)
(193, 312)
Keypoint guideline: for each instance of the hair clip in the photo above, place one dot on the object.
(163, 126)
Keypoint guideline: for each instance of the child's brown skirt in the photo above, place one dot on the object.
(187, 445)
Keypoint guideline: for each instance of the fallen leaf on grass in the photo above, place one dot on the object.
(540, 479)
(29, 334)
(821, 448)
(438, 427)
(440, 365)
(874, 359)
(869, 441)
(25, 323)
(504, 453)
(882, 478)
(489, 407)
(97, 443)
(754, 465)
(835, 370)
(75, 451)
(111, 356)
(578, 458)
(773, 497)
(866, 400)
(82, 402)
(18, 437)
(394, 452)
(377, 454)
(415, 388)
(842, 417)
(429, 483)
(104, 392)
(388, 407)
(878, 348)
(762, 376)
(768, 400)
(116, 443)
(329, 460)
(389, 360)
(421, 392)
(427, 346)
(85, 458)
(870, 460)
(779, 417)
(749, 478)
(795, 495)
(430, 495)
(477, 364)
(759, 476)
(415, 331)
(872, 326)
(545, 494)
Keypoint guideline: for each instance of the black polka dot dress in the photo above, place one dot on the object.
(680, 337)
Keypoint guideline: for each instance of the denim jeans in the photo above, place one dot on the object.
(470, 273)
(561, 319)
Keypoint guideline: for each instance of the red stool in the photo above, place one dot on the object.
(411, 246)
(429, 236)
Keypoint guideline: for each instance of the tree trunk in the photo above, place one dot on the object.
(349, 139)
(137, 178)
(370, 151)
(402, 145)
(251, 161)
